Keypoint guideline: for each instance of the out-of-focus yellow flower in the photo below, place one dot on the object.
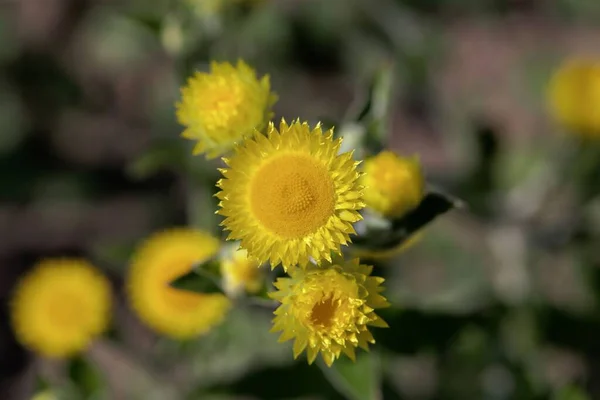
(60, 307)
(574, 97)
(371, 254)
(328, 309)
(224, 107)
(157, 262)
(393, 185)
(241, 273)
(45, 395)
(290, 196)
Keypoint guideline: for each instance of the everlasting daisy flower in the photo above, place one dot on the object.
(241, 273)
(574, 97)
(60, 307)
(394, 185)
(224, 106)
(328, 310)
(157, 262)
(289, 196)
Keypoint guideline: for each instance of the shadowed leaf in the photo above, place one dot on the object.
(433, 205)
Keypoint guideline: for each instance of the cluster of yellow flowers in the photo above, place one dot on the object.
(287, 197)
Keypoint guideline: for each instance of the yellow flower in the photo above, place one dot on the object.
(574, 97)
(328, 310)
(60, 307)
(45, 395)
(371, 254)
(158, 261)
(290, 196)
(224, 107)
(393, 185)
(241, 273)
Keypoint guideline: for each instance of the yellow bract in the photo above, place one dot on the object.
(289, 196)
(60, 307)
(328, 309)
(157, 262)
(224, 106)
(574, 97)
(394, 185)
(241, 273)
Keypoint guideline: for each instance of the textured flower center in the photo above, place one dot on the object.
(292, 195)
(323, 312)
(220, 103)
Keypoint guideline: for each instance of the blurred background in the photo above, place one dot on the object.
(497, 301)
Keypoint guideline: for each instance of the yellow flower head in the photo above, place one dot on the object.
(45, 395)
(329, 310)
(158, 261)
(224, 107)
(290, 196)
(393, 185)
(241, 273)
(60, 307)
(574, 97)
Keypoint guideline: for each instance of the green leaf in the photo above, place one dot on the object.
(571, 392)
(201, 279)
(432, 206)
(163, 154)
(360, 380)
(372, 111)
(86, 378)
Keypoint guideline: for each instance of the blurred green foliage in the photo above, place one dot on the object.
(498, 301)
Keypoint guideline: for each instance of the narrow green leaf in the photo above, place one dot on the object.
(86, 377)
(201, 279)
(571, 392)
(432, 206)
(163, 154)
(360, 380)
(371, 111)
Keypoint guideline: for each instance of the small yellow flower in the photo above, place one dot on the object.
(157, 262)
(574, 97)
(241, 273)
(328, 310)
(60, 307)
(393, 185)
(370, 254)
(45, 395)
(224, 107)
(290, 196)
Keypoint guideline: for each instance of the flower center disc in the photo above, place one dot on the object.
(323, 312)
(292, 195)
(65, 310)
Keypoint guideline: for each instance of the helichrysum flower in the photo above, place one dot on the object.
(289, 196)
(60, 307)
(158, 261)
(241, 273)
(393, 185)
(45, 395)
(328, 310)
(224, 106)
(574, 97)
